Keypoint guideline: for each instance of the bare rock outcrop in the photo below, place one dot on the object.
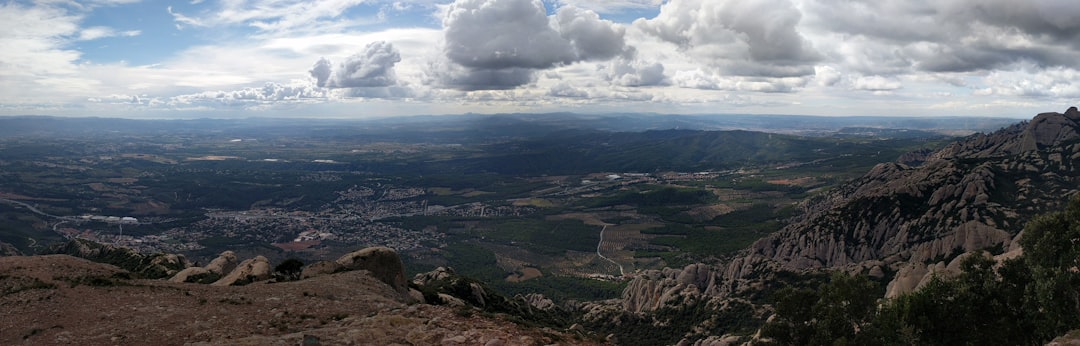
(537, 301)
(217, 268)
(248, 271)
(188, 274)
(440, 273)
(223, 264)
(383, 263)
(914, 218)
(974, 194)
(653, 289)
(320, 268)
(152, 266)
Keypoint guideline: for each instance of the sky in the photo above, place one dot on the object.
(377, 58)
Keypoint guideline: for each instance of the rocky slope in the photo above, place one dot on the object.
(59, 299)
(904, 220)
(8, 250)
(151, 266)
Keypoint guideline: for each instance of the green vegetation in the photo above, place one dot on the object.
(1026, 300)
(477, 262)
(153, 266)
(654, 196)
(668, 325)
(729, 232)
(288, 270)
(481, 296)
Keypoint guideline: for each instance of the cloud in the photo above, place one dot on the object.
(367, 74)
(322, 72)
(696, 79)
(876, 83)
(36, 39)
(826, 75)
(629, 71)
(501, 34)
(950, 36)
(739, 37)
(591, 37)
(372, 67)
(269, 15)
(1054, 83)
(296, 91)
(447, 74)
(96, 32)
(701, 79)
(499, 44)
(564, 89)
(612, 6)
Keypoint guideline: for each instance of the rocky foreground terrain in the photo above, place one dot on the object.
(60, 299)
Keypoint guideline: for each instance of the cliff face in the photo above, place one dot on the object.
(974, 194)
(912, 218)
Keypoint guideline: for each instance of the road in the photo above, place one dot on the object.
(35, 210)
(621, 272)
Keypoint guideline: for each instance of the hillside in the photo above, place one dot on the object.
(59, 299)
(901, 223)
(975, 194)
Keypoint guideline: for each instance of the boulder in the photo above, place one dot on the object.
(185, 274)
(440, 273)
(537, 301)
(319, 269)
(383, 263)
(223, 264)
(255, 269)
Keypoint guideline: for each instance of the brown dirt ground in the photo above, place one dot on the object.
(59, 299)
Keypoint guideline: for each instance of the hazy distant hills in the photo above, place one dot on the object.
(480, 128)
(654, 150)
(552, 143)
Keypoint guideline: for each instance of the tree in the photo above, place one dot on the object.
(833, 314)
(289, 270)
(1052, 253)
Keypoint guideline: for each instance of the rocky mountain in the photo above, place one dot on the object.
(975, 194)
(60, 299)
(901, 222)
(150, 266)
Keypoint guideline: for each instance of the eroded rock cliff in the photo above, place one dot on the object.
(903, 220)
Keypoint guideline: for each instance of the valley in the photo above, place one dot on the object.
(687, 234)
(495, 208)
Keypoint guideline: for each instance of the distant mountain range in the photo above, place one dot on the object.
(473, 127)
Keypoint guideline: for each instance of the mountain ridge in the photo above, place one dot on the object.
(900, 223)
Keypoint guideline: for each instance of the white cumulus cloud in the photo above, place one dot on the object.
(500, 44)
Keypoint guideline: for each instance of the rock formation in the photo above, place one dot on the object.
(320, 268)
(223, 264)
(911, 218)
(149, 266)
(252, 270)
(383, 263)
(218, 267)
